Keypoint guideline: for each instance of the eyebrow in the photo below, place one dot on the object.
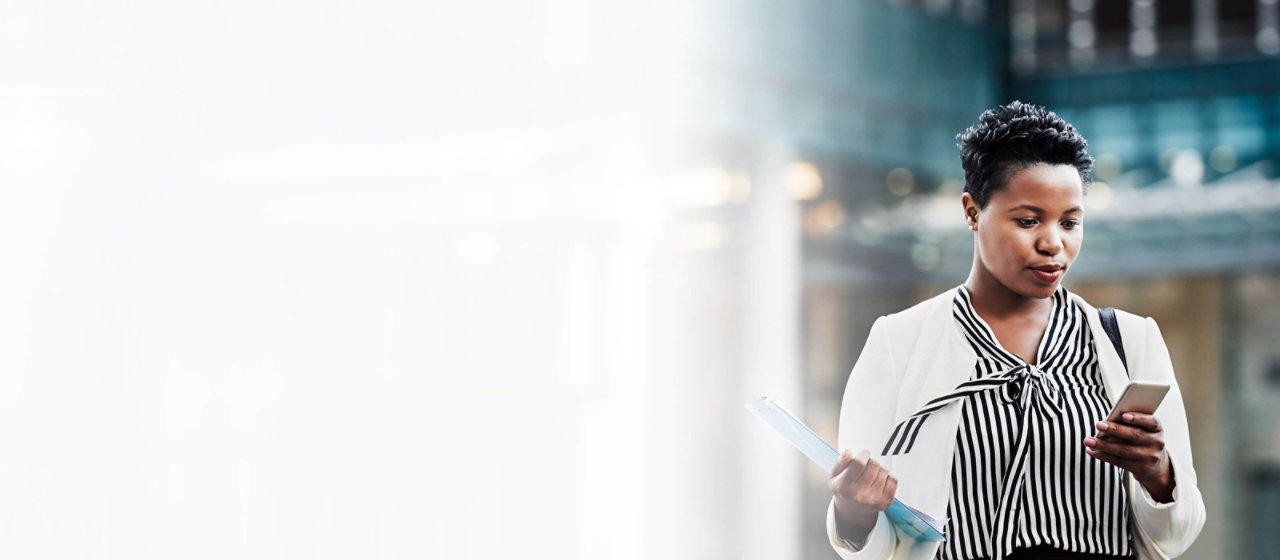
(1039, 210)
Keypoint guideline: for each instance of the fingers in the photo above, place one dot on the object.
(863, 482)
(1107, 458)
(1123, 456)
(1115, 449)
(1114, 431)
(854, 464)
(877, 488)
(1135, 443)
(841, 463)
(1133, 426)
(887, 488)
(1143, 461)
(870, 468)
(1141, 465)
(1125, 441)
(1147, 422)
(848, 470)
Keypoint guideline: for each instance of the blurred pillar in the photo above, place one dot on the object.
(1197, 329)
(1204, 28)
(771, 481)
(1142, 36)
(1268, 37)
(1081, 34)
(1022, 23)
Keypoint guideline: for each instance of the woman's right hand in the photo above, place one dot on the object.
(862, 488)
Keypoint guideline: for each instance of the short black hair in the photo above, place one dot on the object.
(1013, 137)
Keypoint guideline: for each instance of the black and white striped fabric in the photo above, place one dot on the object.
(1020, 477)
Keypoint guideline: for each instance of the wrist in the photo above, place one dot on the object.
(855, 534)
(1161, 484)
(855, 517)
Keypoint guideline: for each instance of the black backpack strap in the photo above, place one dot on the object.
(1109, 324)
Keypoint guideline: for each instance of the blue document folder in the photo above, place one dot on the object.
(907, 519)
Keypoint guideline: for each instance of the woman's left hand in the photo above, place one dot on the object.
(1136, 444)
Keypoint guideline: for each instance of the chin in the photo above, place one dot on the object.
(1028, 288)
(1041, 291)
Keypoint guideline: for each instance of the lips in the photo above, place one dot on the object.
(1048, 273)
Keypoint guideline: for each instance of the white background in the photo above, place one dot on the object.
(360, 280)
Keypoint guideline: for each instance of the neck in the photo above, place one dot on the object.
(993, 299)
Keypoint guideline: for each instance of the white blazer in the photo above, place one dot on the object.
(916, 355)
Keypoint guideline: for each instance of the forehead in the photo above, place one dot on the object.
(1043, 185)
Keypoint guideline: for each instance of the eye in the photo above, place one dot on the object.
(1025, 222)
(1071, 224)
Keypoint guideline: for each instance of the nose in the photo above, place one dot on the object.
(1049, 242)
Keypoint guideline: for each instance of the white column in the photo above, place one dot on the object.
(1268, 39)
(1204, 30)
(1082, 34)
(1142, 36)
(1022, 35)
(772, 478)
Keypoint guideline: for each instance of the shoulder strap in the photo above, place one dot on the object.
(1109, 324)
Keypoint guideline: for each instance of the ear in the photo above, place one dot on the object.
(971, 211)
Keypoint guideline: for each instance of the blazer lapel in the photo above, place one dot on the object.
(939, 361)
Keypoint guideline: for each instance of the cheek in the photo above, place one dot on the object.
(1074, 241)
(1005, 248)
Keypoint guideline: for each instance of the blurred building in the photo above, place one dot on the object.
(851, 109)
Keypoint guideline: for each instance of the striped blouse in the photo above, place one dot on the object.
(1020, 476)
(1014, 487)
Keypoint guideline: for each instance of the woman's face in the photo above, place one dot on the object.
(1030, 232)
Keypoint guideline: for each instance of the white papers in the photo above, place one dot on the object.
(907, 519)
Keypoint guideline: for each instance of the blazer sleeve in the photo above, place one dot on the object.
(866, 416)
(1167, 530)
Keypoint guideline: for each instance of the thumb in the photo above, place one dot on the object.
(842, 463)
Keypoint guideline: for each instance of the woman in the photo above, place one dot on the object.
(983, 403)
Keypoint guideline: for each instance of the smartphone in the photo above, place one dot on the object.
(1139, 396)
